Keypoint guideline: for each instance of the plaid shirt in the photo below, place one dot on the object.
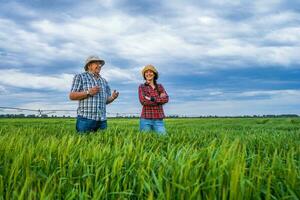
(93, 107)
(152, 109)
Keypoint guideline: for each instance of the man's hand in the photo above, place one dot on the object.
(115, 94)
(84, 94)
(94, 90)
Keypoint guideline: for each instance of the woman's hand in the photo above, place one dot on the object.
(148, 98)
(162, 95)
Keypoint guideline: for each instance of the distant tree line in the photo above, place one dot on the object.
(31, 116)
(241, 116)
(135, 116)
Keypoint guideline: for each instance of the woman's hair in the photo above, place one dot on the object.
(155, 82)
(156, 86)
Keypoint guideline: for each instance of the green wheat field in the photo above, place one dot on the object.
(212, 158)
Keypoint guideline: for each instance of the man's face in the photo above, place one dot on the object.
(95, 67)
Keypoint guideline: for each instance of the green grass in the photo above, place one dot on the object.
(199, 159)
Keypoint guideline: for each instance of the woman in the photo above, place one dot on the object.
(152, 96)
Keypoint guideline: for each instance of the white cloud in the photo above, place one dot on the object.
(18, 9)
(266, 6)
(199, 36)
(125, 75)
(275, 19)
(45, 105)
(20, 79)
(109, 4)
(279, 102)
(209, 102)
(3, 90)
(61, 82)
(216, 94)
(289, 36)
(280, 93)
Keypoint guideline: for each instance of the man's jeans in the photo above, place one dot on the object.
(156, 125)
(84, 125)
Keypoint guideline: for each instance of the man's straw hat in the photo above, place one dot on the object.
(93, 59)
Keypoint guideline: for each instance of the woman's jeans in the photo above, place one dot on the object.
(84, 125)
(156, 125)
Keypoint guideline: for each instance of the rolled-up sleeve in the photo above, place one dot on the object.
(108, 90)
(162, 100)
(143, 100)
(77, 84)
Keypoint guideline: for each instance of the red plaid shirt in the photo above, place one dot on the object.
(152, 109)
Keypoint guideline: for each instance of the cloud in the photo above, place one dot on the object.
(219, 94)
(35, 81)
(279, 102)
(19, 10)
(61, 82)
(266, 6)
(273, 93)
(115, 74)
(3, 90)
(184, 39)
(71, 106)
(286, 36)
(203, 39)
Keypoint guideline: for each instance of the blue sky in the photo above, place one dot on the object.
(216, 57)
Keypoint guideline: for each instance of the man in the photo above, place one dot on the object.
(93, 94)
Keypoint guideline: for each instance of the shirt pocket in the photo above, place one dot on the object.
(87, 84)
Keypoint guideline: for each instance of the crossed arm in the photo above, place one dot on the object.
(148, 101)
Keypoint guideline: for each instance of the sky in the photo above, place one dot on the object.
(217, 57)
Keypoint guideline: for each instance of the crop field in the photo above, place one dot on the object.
(223, 158)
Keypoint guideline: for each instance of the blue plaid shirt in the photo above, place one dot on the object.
(93, 107)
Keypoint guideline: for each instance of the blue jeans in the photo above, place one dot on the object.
(156, 125)
(84, 125)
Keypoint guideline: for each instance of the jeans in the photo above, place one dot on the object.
(84, 125)
(156, 125)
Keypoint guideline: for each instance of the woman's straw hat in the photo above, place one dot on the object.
(149, 67)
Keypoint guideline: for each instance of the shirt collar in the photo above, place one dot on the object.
(93, 75)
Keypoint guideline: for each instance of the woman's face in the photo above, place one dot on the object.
(149, 75)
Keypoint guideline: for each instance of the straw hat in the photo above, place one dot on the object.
(93, 59)
(149, 67)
